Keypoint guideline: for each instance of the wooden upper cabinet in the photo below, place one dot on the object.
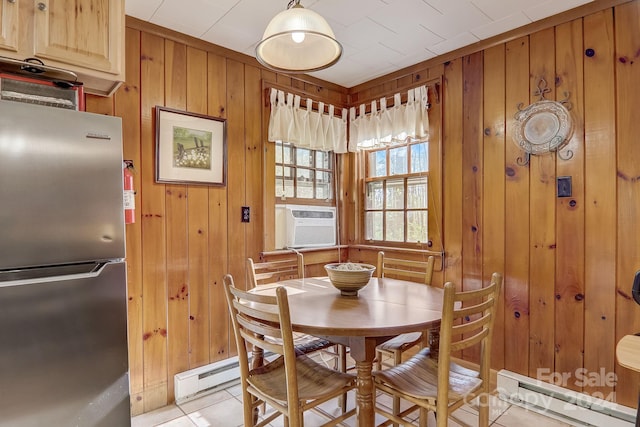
(83, 36)
(9, 25)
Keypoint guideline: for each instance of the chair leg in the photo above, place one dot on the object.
(378, 360)
(424, 417)
(397, 359)
(483, 410)
(342, 367)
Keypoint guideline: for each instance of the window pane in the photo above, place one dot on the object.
(419, 158)
(395, 226)
(304, 157)
(288, 182)
(398, 161)
(305, 184)
(373, 226)
(417, 226)
(323, 185)
(395, 194)
(377, 163)
(322, 160)
(417, 193)
(375, 195)
(286, 154)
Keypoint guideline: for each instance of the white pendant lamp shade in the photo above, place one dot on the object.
(298, 40)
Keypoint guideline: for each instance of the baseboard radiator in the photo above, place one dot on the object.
(565, 405)
(206, 379)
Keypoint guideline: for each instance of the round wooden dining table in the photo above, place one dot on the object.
(383, 309)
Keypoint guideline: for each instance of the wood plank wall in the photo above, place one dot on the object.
(186, 237)
(568, 262)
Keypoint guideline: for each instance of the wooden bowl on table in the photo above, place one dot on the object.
(349, 277)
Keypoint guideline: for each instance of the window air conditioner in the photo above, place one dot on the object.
(310, 226)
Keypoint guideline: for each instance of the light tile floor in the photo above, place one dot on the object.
(224, 409)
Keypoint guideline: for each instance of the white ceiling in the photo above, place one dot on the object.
(378, 36)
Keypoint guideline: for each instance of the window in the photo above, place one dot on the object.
(396, 193)
(304, 176)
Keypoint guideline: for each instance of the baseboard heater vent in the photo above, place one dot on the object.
(205, 379)
(577, 409)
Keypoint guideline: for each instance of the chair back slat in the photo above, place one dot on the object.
(412, 270)
(475, 329)
(469, 340)
(476, 324)
(273, 271)
(473, 309)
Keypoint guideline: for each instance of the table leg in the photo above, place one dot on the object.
(364, 394)
(363, 351)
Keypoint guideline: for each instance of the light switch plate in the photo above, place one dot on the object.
(564, 186)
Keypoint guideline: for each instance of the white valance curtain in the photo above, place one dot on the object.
(388, 125)
(303, 127)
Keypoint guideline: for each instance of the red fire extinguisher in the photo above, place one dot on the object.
(129, 193)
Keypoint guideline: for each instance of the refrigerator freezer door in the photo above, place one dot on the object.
(60, 186)
(63, 358)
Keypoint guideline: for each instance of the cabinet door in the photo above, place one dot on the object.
(85, 33)
(9, 25)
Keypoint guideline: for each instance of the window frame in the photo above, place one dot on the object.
(299, 200)
(405, 178)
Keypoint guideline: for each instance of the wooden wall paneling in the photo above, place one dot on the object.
(627, 39)
(198, 225)
(268, 186)
(154, 261)
(127, 106)
(237, 176)
(516, 260)
(569, 280)
(177, 230)
(221, 341)
(472, 178)
(600, 201)
(99, 104)
(254, 101)
(542, 221)
(452, 99)
(435, 180)
(493, 190)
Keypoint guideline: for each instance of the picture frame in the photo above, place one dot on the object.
(191, 148)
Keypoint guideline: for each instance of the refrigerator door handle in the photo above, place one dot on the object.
(65, 273)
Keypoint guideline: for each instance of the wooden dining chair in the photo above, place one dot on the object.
(262, 273)
(415, 271)
(437, 383)
(291, 384)
(293, 268)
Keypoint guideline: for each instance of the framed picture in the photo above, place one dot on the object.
(190, 148)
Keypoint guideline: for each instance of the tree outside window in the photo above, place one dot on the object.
(396, 205)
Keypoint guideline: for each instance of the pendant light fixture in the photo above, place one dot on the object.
(298, 40)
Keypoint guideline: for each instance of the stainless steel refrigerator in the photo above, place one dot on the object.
(63, 322)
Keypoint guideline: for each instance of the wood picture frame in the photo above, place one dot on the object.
(191, 148)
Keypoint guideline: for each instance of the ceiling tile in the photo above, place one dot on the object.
(173, 14)
(500, 26)
(552, 7)
(454, 43)
(498, 9)
(411, 40)
(141, 9)
(346, 12)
